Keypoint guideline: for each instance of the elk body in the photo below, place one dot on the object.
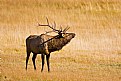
(45, 44)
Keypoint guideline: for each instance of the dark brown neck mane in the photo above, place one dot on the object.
(56, 44)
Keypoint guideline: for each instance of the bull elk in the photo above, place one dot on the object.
(45, 44)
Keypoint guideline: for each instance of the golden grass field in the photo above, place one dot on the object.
(93, 55)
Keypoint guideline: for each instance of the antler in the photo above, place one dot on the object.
(66, 29)
(53, 27)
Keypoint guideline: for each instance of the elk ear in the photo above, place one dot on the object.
(63, 35)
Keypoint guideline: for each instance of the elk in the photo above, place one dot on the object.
(45, 44)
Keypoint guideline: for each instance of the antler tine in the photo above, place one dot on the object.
(57, 31)
(38, 24)
(54, 25)
(47, 21)
(45, 24)
(51, 26)
(48, 32)
(60, 28)
(66, 29)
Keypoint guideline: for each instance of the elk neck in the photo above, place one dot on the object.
(57, 43)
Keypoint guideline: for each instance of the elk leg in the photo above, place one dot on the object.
(27, 58)
(47, 59)
(33, 59)
(43, 57)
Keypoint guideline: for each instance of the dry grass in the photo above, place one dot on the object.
(94, 54)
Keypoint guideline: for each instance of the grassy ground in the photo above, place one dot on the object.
(93, 55)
